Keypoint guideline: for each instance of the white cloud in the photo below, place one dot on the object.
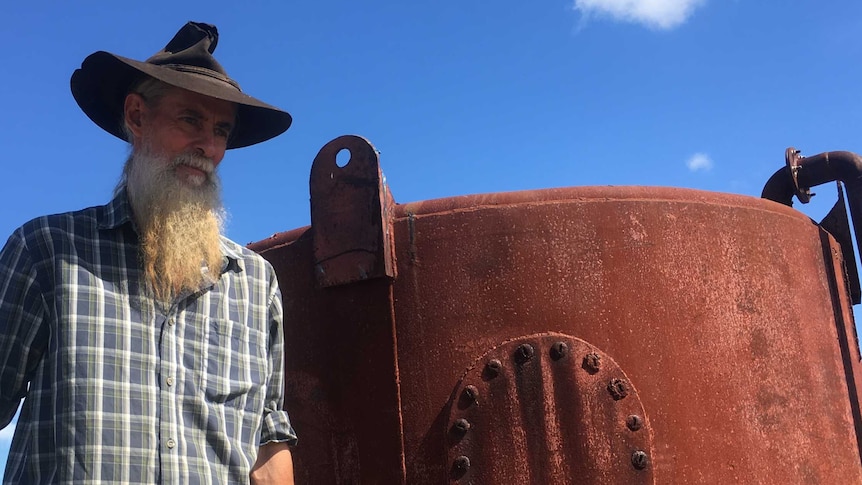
(699, 162)
(658, 14)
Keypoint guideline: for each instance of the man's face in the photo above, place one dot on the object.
(183, 122)
(173, 188)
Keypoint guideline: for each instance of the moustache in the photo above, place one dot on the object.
(194, 160)
(197, 161)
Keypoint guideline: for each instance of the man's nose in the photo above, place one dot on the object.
(209, 145)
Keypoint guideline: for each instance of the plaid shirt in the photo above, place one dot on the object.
(118, 390)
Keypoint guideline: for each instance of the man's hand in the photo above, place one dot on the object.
(274, 465)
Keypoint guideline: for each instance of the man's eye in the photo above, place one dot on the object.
(191, 120)
(221, 133)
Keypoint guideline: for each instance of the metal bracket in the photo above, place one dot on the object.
(837, 224)
(351, 215)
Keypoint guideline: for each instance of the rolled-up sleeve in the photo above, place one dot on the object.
(276, 425)
(23, 332)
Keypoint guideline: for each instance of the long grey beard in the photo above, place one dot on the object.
(179, 224)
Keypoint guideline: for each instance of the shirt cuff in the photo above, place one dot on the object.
(276, 428)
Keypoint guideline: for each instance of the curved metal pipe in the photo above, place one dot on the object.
(802, 173)
(780, 187)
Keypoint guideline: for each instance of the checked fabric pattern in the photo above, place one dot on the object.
(117, 390)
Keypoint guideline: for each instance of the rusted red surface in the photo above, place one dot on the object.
(848, 340)
(342, 375)
(350, 218)
(722, 313)
(511, 418)
(342, 363)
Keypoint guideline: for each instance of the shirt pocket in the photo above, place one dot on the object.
(235, 366)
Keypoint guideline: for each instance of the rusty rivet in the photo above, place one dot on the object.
(592, 362)
(634, 422)
(493, 367)
(559, 350)
(461, 426)
(618, 389)
(524, 353)
(640, 460)
(471, 393)
(461, 465)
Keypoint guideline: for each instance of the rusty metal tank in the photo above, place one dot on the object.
(614, 335)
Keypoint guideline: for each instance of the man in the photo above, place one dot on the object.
(146, 346)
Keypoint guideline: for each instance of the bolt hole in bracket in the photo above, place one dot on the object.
(351, 214)
(547, 408)
(342, 158)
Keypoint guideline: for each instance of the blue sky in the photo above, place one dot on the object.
(459, 97)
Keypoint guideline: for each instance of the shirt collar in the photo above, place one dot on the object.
(233, 259)
(117, 212)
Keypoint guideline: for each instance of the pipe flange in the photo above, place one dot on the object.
(793, 159)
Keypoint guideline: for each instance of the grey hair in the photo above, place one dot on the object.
(152, 90)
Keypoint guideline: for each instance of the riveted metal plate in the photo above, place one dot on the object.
(547, 408)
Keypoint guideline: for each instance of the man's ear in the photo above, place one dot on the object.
(133, 112)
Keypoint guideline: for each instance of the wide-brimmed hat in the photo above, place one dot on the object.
(101, 84)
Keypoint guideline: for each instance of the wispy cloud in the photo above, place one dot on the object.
(699, 162)
(656, 14)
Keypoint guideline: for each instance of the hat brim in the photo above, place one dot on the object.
(101, 84)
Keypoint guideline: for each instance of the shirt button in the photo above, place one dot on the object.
(171, 443)
(171, 322)
(170, 381)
